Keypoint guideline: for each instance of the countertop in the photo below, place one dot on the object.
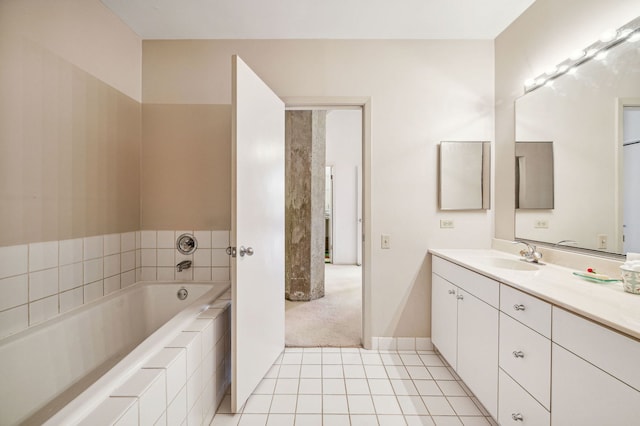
(607, 304)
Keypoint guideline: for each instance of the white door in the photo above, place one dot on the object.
(257, 226)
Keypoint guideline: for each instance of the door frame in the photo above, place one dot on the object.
(340, 102)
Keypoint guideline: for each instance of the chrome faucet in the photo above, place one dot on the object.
(185, 264)
(530, 254)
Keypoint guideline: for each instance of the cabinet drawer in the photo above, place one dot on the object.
(531, 368)
(515, 401)
(527, 309)
(482, 287)
(613, 352)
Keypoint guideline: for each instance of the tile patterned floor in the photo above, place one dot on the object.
(357, 387)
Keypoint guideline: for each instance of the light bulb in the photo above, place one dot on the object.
(529, 82)
(634, 37)
(572, 70)
(577, 55)
(540, 81)
(600, 56)
(551, 70)
(562, 69)
(624, 33)
(549, 83)
(608, 36)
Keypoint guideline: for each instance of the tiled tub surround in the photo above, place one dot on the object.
(41, 280)
(83, 355)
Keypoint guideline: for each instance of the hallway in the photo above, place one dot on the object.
(334, 320)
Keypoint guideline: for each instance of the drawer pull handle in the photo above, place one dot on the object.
(452, 292)
(518, 354)
(460, 297)
(518, 307)
(517, 417)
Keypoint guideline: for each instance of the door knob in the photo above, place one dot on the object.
(245, 250)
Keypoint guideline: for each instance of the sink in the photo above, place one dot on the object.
(515, 265)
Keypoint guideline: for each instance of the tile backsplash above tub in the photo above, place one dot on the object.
(41, 280)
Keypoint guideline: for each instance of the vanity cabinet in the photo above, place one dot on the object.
(595, 375)
(465, 327)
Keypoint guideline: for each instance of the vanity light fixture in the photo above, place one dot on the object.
(597, 50)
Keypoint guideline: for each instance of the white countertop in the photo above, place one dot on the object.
(607, 304)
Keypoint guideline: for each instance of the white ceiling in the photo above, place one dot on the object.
(318, 19)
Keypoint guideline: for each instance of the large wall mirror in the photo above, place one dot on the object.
(591, 115)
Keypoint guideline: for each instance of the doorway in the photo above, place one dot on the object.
(336, 320)
(631, 178)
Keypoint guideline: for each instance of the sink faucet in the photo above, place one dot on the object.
(530, 254)
(185, 264)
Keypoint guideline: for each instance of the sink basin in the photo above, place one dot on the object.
(515, 265)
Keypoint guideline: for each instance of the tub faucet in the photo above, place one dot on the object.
(185, 264)
(530, 254)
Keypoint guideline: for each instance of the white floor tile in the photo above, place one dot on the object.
(312, 358)
(310, 386)
(309, 404)
(222, 419)
(331, 350)
(411, 359)
(386, 404)
(266, 387)
(363, 420)
(281, 420)
(283, 404)
(397, 372)
(375, 372)
(331, 358)
(419, 421)
(380, 387)
(357, 387)
(333, 387)
(258, 404)
(464, 406)
(428, 387)
(253, 420)
(351, 358)
(391, 359)
(412, 405)
(292, 358)
(418, 372)
(289, 371)
(335, 404)
(311, 371)
(286, 386)
(451, 388)
(440, 373)
(309, 420)
(336, 420)
(312, 350)
(447, 421)
(475, 400)
(332, 372)
(438, 406)
(355, 371)
(474, 421)
(360, 404)
(273, 372)
(432, 360)
(393, 420)
(403, 387)
(371, 358)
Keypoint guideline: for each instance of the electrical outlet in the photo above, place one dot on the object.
(542, 223)
(602, 241)
(385, 241)
(446, 223)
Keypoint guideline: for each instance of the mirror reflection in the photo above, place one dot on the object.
(592, 117)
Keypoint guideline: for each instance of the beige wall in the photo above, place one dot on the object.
(421, 92)
(543, 36)
(186, 167)
(69, 121)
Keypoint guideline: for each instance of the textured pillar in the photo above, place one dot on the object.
(304, 211)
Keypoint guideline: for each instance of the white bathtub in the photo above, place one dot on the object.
(70, 363)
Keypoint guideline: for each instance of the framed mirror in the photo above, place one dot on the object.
(464, 178)
(590, 114)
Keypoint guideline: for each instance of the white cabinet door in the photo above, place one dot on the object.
(478, 349)
(584, 395)
(444, 318)
(517, 407)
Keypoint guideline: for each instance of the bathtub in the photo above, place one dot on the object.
(59, 370)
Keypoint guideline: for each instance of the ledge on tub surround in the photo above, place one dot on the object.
(41, 280)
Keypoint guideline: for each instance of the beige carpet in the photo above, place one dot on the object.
(333, 320)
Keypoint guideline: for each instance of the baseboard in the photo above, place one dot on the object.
(401, 343)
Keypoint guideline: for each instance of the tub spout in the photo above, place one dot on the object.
(185, 264)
